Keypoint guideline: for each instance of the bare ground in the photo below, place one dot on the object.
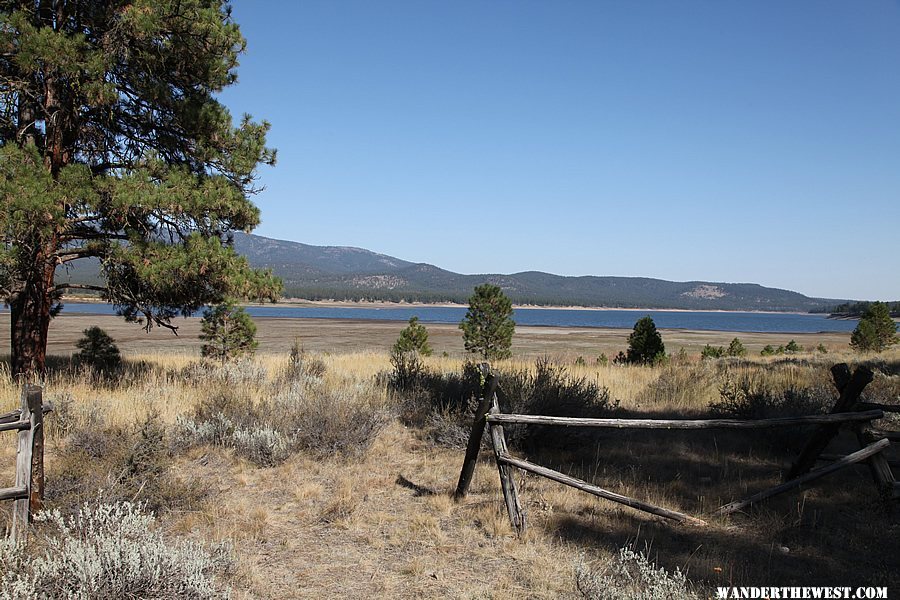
(337, 336)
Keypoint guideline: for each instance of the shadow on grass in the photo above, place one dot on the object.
(836, 531)
(65, 368)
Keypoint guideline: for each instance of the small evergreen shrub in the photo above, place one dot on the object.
(736, 348)
(712, 352)
(488, 326)
(876, 330)
(645, 344)
(413, 338)
(98, 351)
(793, 347)
(228, 332)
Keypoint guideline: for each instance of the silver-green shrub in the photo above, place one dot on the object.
(264, 445)
(631, 576)
(218, 430)
(231, 374)
(297, 413)
(110, 551)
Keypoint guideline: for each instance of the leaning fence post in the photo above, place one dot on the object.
(474, 445)
(31, 394)
(507, 482)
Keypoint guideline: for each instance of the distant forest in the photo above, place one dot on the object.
(856, 309)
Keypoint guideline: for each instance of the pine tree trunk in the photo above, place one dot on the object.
(29, 323)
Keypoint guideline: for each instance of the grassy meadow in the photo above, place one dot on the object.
(320, 478)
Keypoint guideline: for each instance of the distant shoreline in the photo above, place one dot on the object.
(385, 304)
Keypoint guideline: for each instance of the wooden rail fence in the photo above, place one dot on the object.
(848, 411)
(28, 491)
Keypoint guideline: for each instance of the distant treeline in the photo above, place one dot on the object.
(856, 309)
(461, 296)
(425, 297)
(430, 297)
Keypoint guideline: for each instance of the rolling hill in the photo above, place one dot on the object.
(347, 273)
(326, 272)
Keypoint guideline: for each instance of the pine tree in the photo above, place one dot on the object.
(228, 331)
(712, 352)
(876, 330)
(97, 350)
(736, 348)
(488, 326)
(413, 338)
(645, 344)
(114, 148)
(793, 347)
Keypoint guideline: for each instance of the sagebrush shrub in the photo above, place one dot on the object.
(302, 365)
(263, 445)
(547, 389)
(744, 397)
(238, 373)
(107, 552)
(299, 411)
(325, 421)
(679, 384)
(631, 576)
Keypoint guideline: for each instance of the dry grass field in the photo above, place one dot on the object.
(359, 503)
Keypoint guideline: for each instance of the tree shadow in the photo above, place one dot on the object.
(836, 531)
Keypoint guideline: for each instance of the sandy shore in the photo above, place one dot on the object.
(343, 335)
(382, 304)
(385, 304)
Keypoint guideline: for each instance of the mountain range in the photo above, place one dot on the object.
(346, 273)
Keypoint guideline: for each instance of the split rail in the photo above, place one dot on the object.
(848, 411)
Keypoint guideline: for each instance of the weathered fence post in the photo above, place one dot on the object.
(850, 387)
(474, 445)
(36, 479)
(507, 482)
(878, 464)
(31, 397)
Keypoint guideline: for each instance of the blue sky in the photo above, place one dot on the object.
(723, 141)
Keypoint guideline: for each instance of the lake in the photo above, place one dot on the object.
(698, 320)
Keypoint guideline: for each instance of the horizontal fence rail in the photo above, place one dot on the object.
(584, 486)
(849, 412)
(510, 419)
(858, 456)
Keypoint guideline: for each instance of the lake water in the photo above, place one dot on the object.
(710, 321)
